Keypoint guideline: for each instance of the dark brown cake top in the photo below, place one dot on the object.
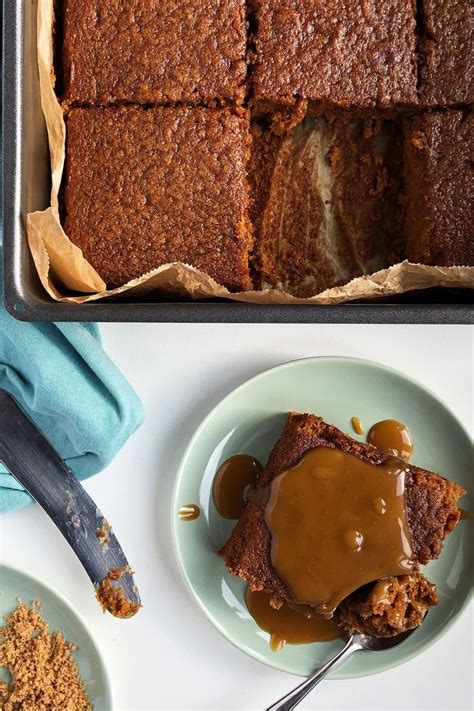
(150, 186)
(149, 51)
(341, 52)
(439, 154)
(446, 52)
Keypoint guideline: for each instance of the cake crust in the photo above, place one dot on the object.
(431, 504)
(446, 65)
(144, 51)
(439, 178)
(339, 52)
(145, 187)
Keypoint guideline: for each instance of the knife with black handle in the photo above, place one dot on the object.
(32, 460)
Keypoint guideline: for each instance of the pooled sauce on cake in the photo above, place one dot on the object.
(337, 523)
(189, 512)
(232, 479)
(386, 589)
(379, 593)
(357, 425)
(392, 437)
(380, 505)
(292, 625)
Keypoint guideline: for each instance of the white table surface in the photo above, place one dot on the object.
(169, 656)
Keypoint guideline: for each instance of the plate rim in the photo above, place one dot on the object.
(174, 522)
(57, 593)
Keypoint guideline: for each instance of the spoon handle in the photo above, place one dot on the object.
(32, 460)
(291, 700)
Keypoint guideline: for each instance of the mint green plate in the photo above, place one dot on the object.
(60, 615)
(249, 420)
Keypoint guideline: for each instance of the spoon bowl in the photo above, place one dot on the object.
(380, 644)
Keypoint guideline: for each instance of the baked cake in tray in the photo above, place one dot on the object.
(144, 51)
(432, 512)
(343, 53)
(446, 52)
(354, 151)
(439, 177)
(149, 186)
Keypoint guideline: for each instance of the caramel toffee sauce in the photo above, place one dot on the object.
(357, 425)
(293, 625)
(232, 479)
(189, 512)
(466, 515)
(337, 523)
(392, 437)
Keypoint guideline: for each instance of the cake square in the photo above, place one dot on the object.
(430, 501)
(144, 187)
(325, 202)
(336, 53)
(144, 51)
(446, 52)
(439, 152)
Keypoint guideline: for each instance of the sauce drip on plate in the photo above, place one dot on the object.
(290, 624)
(357, 425)
(392, 437)
(189, 512)
(232, 479)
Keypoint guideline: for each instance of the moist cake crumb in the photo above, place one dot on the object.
(405, 601)
(113, 599)
(324, 202)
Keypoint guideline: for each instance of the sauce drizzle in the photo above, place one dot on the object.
(392, 437)
(357, 425)
(189, 512)
(289, 625)
(232, 479)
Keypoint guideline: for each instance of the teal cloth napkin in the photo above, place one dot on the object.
(62, 378)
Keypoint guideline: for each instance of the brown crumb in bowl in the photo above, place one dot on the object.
(44, 674)
(113, 598)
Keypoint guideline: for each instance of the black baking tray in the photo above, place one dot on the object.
(26, 188)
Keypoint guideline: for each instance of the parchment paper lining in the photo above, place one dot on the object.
(63, 269)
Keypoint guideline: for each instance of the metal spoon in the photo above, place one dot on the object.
(31, 459)
(356, 642)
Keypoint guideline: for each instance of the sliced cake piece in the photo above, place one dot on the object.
(439, 159)
(144, 187)
(144, 51)
(335, 53)
(446, 59)
(430, 503)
